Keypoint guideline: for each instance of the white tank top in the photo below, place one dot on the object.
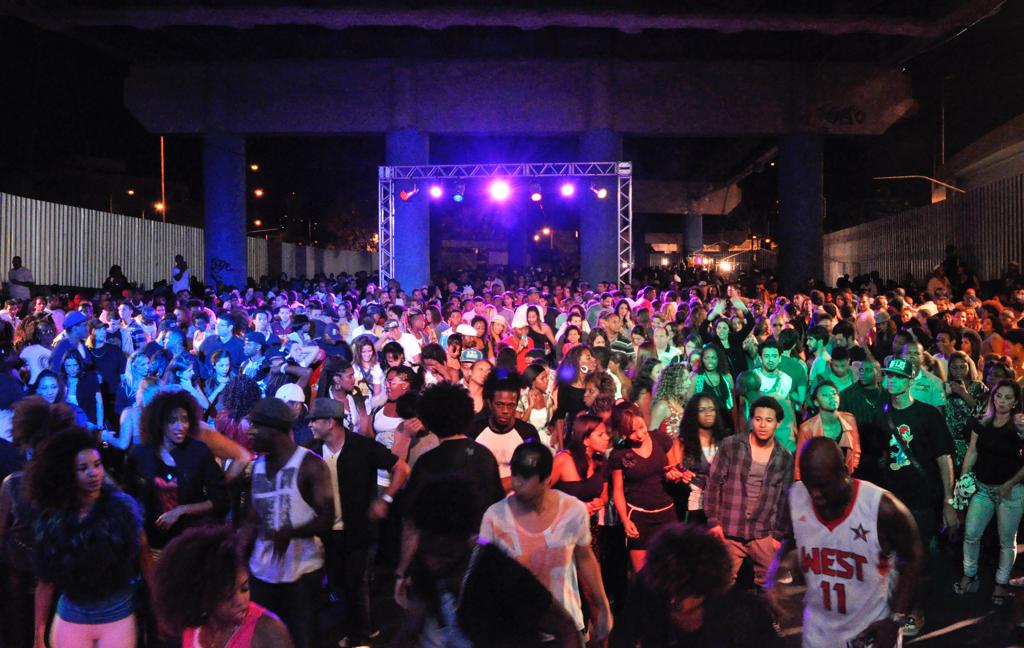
(847, 576)
(280, 505)
(384, 428)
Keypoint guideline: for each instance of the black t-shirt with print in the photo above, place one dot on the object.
(923, 429)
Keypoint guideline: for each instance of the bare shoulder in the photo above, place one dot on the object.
(271, 632)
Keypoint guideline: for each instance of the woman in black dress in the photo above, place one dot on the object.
(640, 464)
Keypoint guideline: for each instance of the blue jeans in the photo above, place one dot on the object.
(1008, 513)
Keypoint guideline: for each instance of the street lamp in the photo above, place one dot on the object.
(159, 206)
(258, 193)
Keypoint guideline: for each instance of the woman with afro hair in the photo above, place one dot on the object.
(202, 591)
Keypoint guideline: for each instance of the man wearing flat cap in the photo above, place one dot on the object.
(352, 461)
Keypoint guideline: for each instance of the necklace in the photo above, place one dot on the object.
(216, 644)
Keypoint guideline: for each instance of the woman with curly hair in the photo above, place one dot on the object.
(90, 546)
(35, 420)
(239, 396)
(173, 474)
(202, 591)
(700, 433)
(669, 399)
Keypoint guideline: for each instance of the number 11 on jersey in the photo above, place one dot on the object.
(826, 596)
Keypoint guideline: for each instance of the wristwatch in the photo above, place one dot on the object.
(387, 498)
(900, 618)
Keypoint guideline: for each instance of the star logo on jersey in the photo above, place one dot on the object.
(860, 533)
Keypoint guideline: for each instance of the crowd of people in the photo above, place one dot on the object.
(519, 459)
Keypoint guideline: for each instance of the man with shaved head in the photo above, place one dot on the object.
(843, 531)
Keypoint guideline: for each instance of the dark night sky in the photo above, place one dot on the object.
(66, 137)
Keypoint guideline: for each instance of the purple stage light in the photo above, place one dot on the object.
(500, 190)
(568, 190)
(436, 191)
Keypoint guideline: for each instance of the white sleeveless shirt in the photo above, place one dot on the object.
(280, 505)
(847, 576)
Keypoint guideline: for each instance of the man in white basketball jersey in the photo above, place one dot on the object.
(846, 532)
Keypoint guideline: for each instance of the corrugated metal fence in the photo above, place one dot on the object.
(74, 246)
(986, 225)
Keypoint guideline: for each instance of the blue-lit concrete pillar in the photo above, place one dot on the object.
(693, 233)
(411, 147)
(518, 246)
(801, 209)
(599, 228)
(224, 215)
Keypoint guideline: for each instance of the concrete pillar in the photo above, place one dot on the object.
(801, 209)
(693, 233)
(410, 147)
(224, 215)
(599, 227)
(519, 240)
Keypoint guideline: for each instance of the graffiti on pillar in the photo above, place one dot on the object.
(838, 116)
(218, 268)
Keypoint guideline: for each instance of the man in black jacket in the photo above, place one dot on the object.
(353, 461)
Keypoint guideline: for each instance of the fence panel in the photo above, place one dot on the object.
(986, 225)
(74, 246)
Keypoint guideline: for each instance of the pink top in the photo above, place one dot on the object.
(242, 638)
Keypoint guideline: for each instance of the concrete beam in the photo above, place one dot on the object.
(668, 197)
(527, 18)
(666, 98)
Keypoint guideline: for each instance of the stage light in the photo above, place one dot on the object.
(546, 231)
(254, 167)
(257, 222)
(664, 261)
(536, 238)
(406, 195)
(258, 193)
(158, 206)
(535, 194)
(568, 190)
(460, 191)
(725, 266)
(436, 191)
(500, 190)
(131, 192)
(600, 192)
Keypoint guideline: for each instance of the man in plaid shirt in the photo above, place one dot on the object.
(745, 499)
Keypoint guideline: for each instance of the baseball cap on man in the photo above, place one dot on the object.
(73, 319)
(899, 367)
(471, 355)
(290, 392)
(257, 337)
(466, 329)
(391, 324)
